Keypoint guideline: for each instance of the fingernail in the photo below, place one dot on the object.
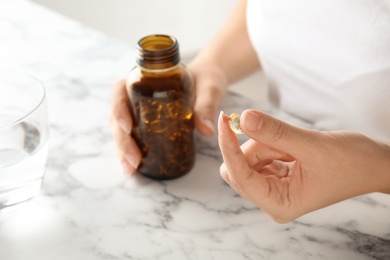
(221, 114)
(252, 121)
(134, 162)
(124, 125)
(126, 168)
(221, 120)
(207, 122)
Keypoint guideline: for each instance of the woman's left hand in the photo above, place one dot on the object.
(289, 171)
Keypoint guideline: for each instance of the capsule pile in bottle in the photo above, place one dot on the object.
(164, 133)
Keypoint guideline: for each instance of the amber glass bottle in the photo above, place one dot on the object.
(162, 95)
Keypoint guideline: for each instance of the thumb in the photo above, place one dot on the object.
(277, 134)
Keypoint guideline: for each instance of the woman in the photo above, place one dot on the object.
(327, 62)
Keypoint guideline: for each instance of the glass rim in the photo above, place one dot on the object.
(35, 107)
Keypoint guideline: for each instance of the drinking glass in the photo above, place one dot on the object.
(23, 136)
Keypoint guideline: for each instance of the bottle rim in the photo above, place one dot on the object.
(157, 49)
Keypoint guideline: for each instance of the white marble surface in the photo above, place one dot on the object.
(88, 209)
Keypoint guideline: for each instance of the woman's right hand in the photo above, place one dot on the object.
(121, 125)
(210, 85)
(227, 58)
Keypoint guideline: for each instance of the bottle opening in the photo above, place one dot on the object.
(157, 43)
(158, 51)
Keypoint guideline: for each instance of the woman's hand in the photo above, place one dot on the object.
(228, 57)
(289, 171)
(121, 125)
(210, 87)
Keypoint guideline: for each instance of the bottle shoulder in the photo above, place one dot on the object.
(159, 73)
(178, 78)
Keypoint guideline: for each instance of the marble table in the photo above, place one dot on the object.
(88, 209)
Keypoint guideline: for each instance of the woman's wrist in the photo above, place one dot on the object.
(210, 72)
(384, 168)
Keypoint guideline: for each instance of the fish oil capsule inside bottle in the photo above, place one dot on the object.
(162, 96)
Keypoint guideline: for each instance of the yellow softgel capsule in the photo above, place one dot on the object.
(234, 123)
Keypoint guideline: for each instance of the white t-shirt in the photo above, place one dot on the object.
(326, 61)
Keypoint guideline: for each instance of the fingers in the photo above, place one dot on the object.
(120, 106)
(276, 168)
(254, 174)
(205, 125)
(284, 137)
(128, 151)
(236, 171)
(259, 154)
(121, 124)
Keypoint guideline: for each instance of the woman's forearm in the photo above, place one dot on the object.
(231, 50)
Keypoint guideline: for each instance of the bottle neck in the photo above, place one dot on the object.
(158, 52)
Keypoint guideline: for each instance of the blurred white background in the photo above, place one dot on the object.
(192, 22)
